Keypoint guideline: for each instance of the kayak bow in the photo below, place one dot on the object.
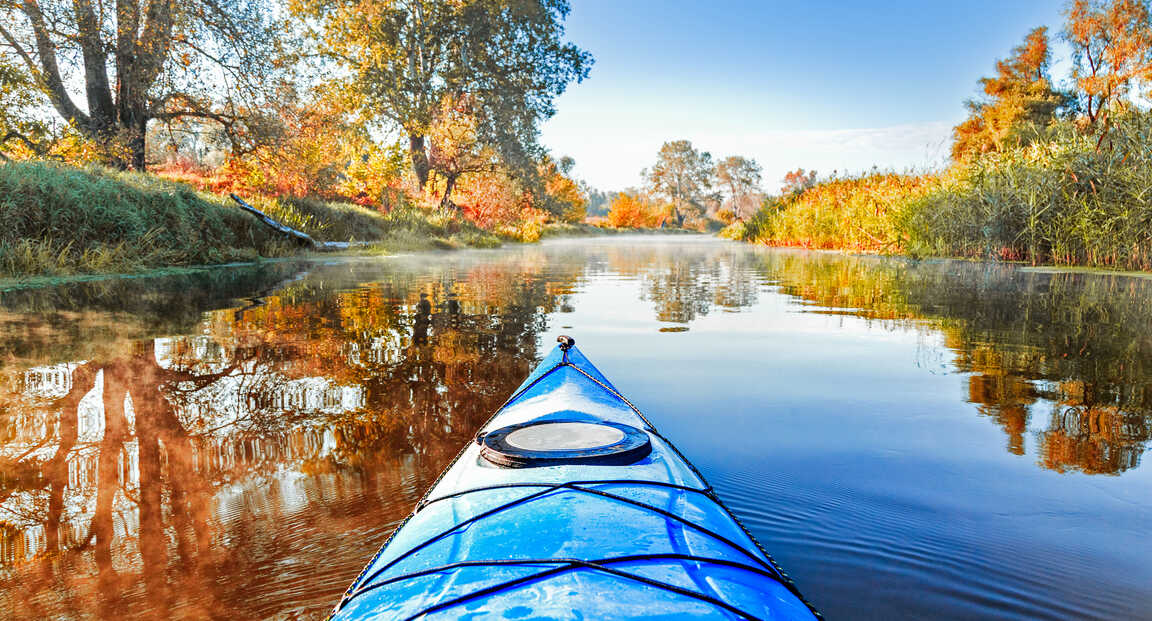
(571, 505)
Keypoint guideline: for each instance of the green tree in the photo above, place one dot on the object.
(1018, 101)
(505, 59)
(142, 61)
(683, 175)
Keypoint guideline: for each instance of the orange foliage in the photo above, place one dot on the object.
(636, 211)
(562, 195)
(1111, 44)
(798, 181)
(491, 199)
(1019, 96)
(229, 177)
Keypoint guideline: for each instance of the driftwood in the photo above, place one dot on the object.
(300, 237)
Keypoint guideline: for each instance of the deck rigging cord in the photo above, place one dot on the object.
(771, 569)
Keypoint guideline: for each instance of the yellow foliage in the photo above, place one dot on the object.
(377, 178)
(853, 213)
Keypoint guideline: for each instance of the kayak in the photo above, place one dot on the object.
(571, 505)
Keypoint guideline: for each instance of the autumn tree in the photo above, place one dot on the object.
(456, 149)
(1017, 100)
(307, 143)
(409, 58)
(1111, 50)
(135, 62)
(632, 209)
(683, 175)
(797, 181)
(740, 176)
(561, 196)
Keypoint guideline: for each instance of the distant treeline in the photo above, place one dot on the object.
(687, 188)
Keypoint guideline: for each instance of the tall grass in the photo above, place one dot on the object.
(1063, 200)
(1067, 199)
(847, 213)
(60, 220)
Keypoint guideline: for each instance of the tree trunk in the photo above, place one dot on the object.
(135, 124)
(419, 157)
(449, 184)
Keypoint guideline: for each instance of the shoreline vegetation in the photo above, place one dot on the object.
(62, 220)
(1058, 201)
(68, 222)
(353, 131)
(337, 120)
(1038, 174)
(371, 150)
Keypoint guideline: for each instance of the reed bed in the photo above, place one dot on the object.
(845, 213)
(1070, 199)
(1067, 198)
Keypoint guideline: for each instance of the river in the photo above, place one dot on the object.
(939, 439)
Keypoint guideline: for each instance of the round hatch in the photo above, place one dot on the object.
(560, 442)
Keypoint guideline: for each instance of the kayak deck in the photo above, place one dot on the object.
(571, 540)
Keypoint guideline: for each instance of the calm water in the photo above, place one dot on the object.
(943, 439)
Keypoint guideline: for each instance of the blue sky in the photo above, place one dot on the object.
(832, 85)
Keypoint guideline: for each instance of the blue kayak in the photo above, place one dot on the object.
(570, 505)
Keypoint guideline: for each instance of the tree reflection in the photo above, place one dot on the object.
(160, 468)
(120, 474)
(684, 286)
(1072, 349)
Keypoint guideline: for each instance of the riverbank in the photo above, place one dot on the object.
(1067, 198)
(62, 220)
(67, 222)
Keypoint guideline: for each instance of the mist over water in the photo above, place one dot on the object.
(937, 439)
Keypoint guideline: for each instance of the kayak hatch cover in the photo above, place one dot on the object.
(570, 505)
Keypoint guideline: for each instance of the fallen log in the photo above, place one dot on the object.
(300, 237)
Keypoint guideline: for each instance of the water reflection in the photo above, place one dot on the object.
(1068, 353)
(200, 446)
(130, 477)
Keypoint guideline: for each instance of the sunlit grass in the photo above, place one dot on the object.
(61, 220)
(850, 213)
(1064, 199)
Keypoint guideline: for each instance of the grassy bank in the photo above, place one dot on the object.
(1065, 199)
(61, 220)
